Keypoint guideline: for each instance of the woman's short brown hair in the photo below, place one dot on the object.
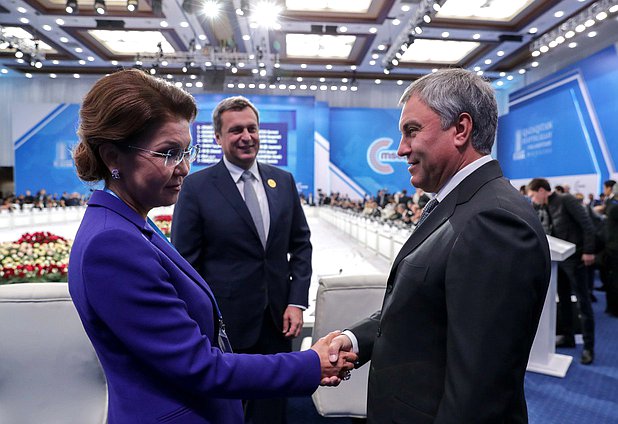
(121, 108)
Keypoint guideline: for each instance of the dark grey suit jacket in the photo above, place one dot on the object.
(460, 312)
(213, 229)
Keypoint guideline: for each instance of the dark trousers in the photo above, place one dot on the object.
(271, 340)
(611, 285)
(572, 279)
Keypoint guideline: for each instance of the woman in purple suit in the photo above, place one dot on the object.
(152, 319)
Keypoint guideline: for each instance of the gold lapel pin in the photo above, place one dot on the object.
(272, 183)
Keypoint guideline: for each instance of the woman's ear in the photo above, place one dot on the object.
(109, 155)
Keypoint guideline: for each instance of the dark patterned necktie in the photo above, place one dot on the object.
(427, 210)
(253, 205)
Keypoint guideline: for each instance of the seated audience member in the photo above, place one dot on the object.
(153, 321)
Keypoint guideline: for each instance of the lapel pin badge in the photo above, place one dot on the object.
(272, 183)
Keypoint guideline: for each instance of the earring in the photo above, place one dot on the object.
(115, 174)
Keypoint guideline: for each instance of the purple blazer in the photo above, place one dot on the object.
(152, 321)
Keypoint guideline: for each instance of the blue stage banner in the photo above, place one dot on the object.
(363, 145)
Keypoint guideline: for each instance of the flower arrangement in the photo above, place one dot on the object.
(40, 256)
(164, 222)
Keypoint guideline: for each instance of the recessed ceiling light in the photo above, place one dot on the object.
(184, 24)
(322, 79)
(533, 30)
(343, 29)
(405, 8)
(323, 87)
(329, 67)
(477, 68)
(378, 81)
(202, 37)
(559, 14)
(354, 88)
(572, 45)
(79, 50)
(479, 72)
(82, 62)
(90, 59)
(246, 37)
(399, 82)
(164, 24)
(372, 62)
(76, 76)
(487, 61)
(115, 62)
(303, 65)
(299, 79)
(28, 75)
(381, 47)
(396, 22)
(313, 87)
(4, 71)
(589, 23)
(592, 34)
(353, 67)
(534, 64)
(445, 34)
(333, 88)
(52, 75)
(64, 39)
(500, 53)
(47, 27)
(434, 70)
(522, 71)
(500, 83)
(60, 21)
(199, 84)
(600, 16)
(510, 78)
(344, 80)
(373, 30)
(502, 74)
(24, 20)
(476, 36)
(375, 56)
(22, 9)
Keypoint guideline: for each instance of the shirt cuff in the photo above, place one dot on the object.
(301, 307)
(353, 339)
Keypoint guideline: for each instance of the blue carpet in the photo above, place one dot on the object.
(587, 395)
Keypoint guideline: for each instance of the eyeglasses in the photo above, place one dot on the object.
(173, 157)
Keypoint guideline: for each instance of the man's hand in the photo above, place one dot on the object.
(333, 371)
(588, 259)
(292, 322)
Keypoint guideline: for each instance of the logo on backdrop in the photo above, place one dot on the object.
(536, 140)
(379, 156)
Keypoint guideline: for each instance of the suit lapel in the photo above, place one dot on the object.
(273, 197)
(180, 262)
(227, 187)
(445, 209)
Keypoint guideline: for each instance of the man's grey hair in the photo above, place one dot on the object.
(235, 103)
(451, 92)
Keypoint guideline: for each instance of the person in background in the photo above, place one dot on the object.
(569, 221)
(611, 252)
(153, 321)
(465, 293)
(240, 224)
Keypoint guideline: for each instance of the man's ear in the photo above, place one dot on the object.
(218, 138)
(109, 154)
(463, 129)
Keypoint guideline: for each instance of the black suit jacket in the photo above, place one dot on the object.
(213, 229)
(571, 222)
(460, 313)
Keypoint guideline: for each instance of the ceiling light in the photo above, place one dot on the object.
(500, 53)
(588, 23)
(580, 28)
(313, 87)
(329, 67)
(246, 37)
(22, 9)
(322, 79)
(381, 47)
(500, 83)
(487, 61)
(399, 82)
(510, 78)
(445, 34)
(132, 6)
(344, 80)
(19, 54)
(71, 6)
(544, 49)
(502, 74)
(569, 34)
(418, 30)
(572, 45)
(323, 87)
(76, 76)
(202, 37)
(522, 71)
(163, 24)
(99, 6)
(266, 13)
(303, 65)
(28, 75)
(64, 39)
(559, 14)
(436, 7)
(613, 9)
(375, 56)
(114, 62)
(536, 53)
(592, 34)
(601, 16)
(90, 59)
(241, 85)
(52, 76)
(353, 67)
(378, 81)
(395, 62)
(372, 62)
(343, 29)
(199, 84)
(55, 62)
(427, 19)
(79, 50)
(343, 88)
(533, 30)
(479, 72)
(211, 9)
(262, 86)
(405, 8)
(534, 64)
(354, 88)
(24, 20)
(477, 68)
(387, 71)
(396, 22)
(82, 62)
(47, 27)
(476, 36)
(373, 30)
(60, 21)
(333, 88)
(20, 60)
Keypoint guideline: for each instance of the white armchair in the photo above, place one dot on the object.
(342, 301)
(49, 372)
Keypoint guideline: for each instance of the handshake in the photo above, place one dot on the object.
(336, 358)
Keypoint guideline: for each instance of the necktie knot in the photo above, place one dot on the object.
(246, 176)
(426, 210)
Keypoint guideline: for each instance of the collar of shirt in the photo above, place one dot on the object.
(460, 176)
(236, 171)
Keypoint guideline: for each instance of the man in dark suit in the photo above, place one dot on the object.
(241, 225)
(465, 293)
(569, 221)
